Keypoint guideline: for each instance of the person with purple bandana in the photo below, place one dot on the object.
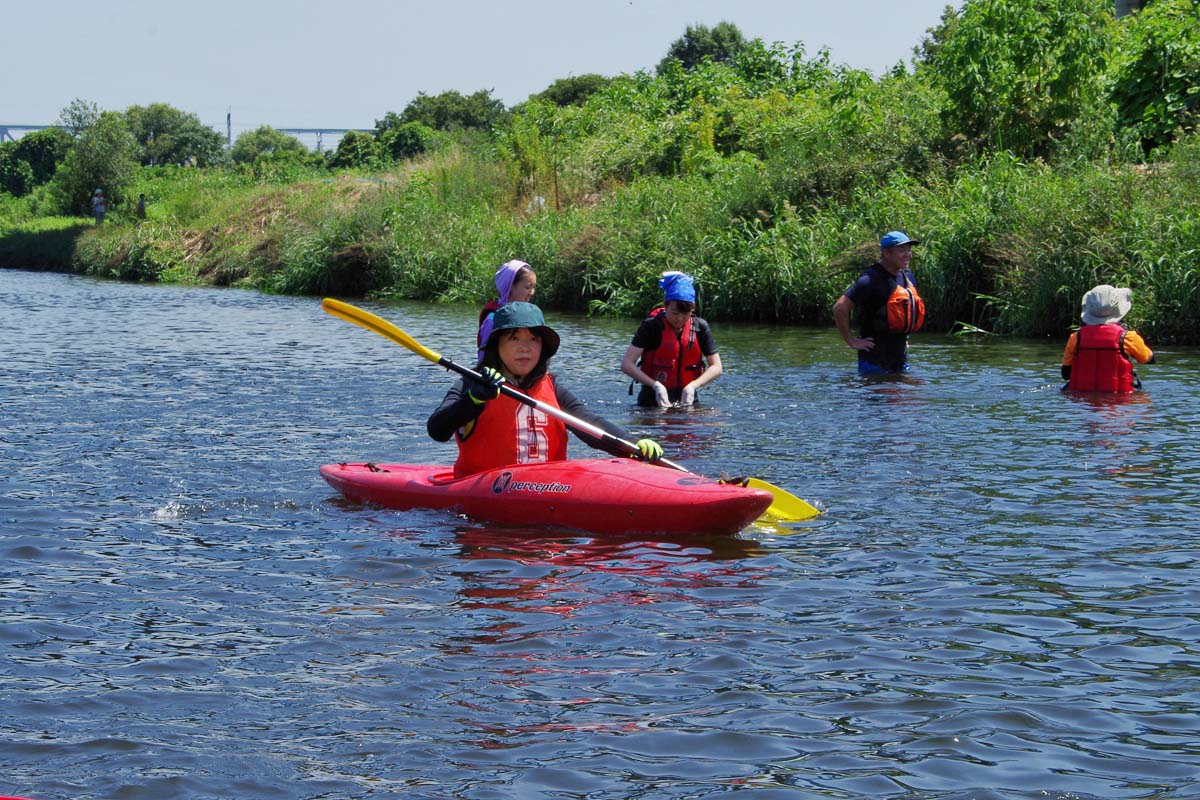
(515, 283)
(888, 307)
(673, 353)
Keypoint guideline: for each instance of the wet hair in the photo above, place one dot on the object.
(682, 305)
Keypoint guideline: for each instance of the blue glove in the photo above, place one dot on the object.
(487, 389)
(650, 449)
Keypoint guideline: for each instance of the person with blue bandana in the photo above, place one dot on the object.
(673, 353)
(888, 308)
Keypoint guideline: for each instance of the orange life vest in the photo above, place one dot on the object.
(508, 432)
(905, 309)
(677, 360)
(1100, 363)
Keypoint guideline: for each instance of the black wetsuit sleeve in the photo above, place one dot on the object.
(571, 404)
(456, 410)
(648, 336)
(704, 336)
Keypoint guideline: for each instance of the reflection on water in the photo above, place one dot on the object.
(999, 600)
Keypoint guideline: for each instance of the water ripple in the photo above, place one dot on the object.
(998, 602)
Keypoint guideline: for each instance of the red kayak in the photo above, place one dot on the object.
(615, 495)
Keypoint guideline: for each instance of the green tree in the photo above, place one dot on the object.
(104, 157)
(452, 110)
(1020, 73)
(935, 38)
(170, 136)
(407, 140)
(43, 151)
(78, 116)
(572, 91)
(264, 141)
(390, 120)
(16, 177)
(721, 43)
(1156, 79)
(357, 149)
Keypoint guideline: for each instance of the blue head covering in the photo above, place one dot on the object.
(678, 286)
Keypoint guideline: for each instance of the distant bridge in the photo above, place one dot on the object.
(318, 132)
(6, 130)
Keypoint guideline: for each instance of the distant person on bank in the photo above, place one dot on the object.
(888, 308)
(1099, 356)
(99, 206)
(673, 352)
(141, 206)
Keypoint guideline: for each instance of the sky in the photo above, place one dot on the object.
(344, 64)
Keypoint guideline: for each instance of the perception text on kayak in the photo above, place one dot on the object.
(539, 488)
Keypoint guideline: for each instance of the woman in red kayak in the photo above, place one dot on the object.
(493, 430)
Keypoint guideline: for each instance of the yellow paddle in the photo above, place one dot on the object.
(784, 507)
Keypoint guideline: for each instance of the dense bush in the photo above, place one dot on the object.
(1156, 79)
(358, 149)
(1019, 74)
(407, 139)
(264, 141)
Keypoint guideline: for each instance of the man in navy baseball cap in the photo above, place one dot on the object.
(888, 306)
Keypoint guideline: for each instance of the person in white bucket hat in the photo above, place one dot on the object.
(99, 206)
(1099, 356)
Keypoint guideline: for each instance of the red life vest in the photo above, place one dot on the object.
(678, 360)
(509, 432)
(483, 314)
(1100, 364)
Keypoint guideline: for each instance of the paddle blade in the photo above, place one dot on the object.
(785, 506)
(365, 319)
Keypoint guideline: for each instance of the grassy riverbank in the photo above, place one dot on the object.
(1010, 247)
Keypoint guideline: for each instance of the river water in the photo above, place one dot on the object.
(998, 601)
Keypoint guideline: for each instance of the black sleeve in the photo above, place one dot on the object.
(571, 404)
(708, 345)
(1066, 372)
(456, 410)
(648, 335)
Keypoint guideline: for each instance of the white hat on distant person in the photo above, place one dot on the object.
(96, 192)
(1106, 305)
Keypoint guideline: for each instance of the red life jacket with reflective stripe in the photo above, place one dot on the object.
(677, 361)
(509, 432)
(1100, 364)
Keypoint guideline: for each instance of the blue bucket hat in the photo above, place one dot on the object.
(678, 286)
(524, 315)
(893, 238)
